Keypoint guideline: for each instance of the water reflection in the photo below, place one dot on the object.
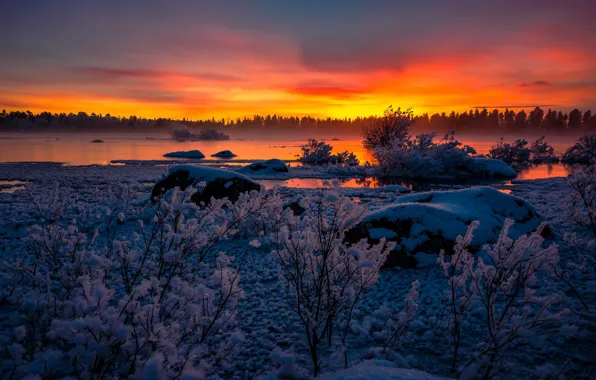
(11, 186)
(529, 173)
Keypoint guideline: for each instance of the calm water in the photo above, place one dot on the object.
(77, 149)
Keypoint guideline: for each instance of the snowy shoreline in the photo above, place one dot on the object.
(264, 318)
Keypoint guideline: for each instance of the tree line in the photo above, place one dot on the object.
(476, 121)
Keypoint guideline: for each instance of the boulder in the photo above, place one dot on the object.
(270, 166)
(224, 154)
(490, 168)
(218, 183)
(296, 208)
(185, 154)
(431, 221)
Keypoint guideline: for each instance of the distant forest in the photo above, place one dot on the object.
(476, 122)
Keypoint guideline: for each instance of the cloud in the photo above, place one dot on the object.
(537, 83)
(327, 89)
(107, 73)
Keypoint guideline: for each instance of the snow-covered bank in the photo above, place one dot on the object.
(264, 316)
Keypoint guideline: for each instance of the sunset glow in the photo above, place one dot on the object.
(184, 59)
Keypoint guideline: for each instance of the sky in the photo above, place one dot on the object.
(228, 59)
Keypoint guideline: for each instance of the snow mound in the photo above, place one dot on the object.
(209, 182)
(269, 166)
(186, 154)
(379, 369)
(431, 221)
(490, 167)
(224, 154)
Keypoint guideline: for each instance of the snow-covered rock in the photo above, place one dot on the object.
(224, 154)
(394, 189)
(269, 166)
(431, 221)
(490, 168)
(379, 369)
(218, 183)
(186, 154)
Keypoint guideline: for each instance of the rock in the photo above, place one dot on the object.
(224, 154)
(218, 183)
(295, 207)
(98, 141)
(490, 168)
(185, 154)
(431, 221)
(270, 166)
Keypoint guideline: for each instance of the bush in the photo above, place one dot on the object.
(583, 152)
(541, 151)
(517, 152)
(391, 128)
(422, 157)
(500, 286)
(97, 300)
(319, 153)
(325, 275)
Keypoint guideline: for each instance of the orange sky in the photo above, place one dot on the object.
(191, 62)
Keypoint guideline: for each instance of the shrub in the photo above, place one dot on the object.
(97, 300)
(583, 152)
(515, 152)
(320, 153)
(422, 157)
(579, 275)
(326, 277)
(500, 284)
(391, 128)
(541, 151)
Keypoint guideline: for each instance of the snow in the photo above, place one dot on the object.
(395, 188)
(207, 174)
(379, 369)
(489, 167)
(224, 154)
(448, 213)
(264, 316)
(185, 154)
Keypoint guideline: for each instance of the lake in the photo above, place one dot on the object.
(77, 149)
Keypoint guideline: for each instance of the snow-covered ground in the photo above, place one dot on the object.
(272, 331)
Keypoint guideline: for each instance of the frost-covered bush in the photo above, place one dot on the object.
(320, 153)
(582, 201)
(422, 156)
(326, 277)
(541, 151)
(396, 324)
(115, 300)
(517, 151)
(503, 286)
(583, 152)
(388, 129)
(579, 275)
